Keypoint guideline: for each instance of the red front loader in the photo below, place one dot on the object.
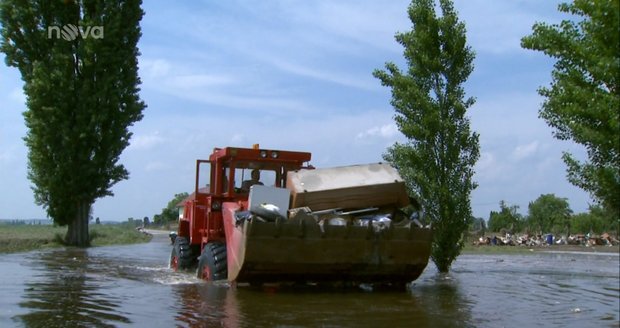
(263, 215)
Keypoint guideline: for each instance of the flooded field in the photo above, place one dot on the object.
(132, 286)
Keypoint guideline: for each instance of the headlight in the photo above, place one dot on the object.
(216, 205)
(263, 153)
(274, 154)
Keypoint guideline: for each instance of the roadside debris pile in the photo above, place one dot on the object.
(586, 240)
(144, 231)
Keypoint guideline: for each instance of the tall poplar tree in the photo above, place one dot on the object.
(78, 61)
(582, 103)
(438, 158)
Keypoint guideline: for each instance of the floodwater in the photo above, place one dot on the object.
(132, 286)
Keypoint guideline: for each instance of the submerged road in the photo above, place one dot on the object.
(132, 286)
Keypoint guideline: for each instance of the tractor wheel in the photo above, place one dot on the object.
(181, 255)
(212, 264)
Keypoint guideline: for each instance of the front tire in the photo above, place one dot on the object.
(212, 264)
(181, 255)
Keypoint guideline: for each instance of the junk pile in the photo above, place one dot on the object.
(373, 217)
(586, 240)
(352, 196)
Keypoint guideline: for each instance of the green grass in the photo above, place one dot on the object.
(22, 238)
(121, 234)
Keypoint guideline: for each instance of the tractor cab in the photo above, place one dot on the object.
(231, 171)
(227, 176)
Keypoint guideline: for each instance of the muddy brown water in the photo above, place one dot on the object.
(132, 286)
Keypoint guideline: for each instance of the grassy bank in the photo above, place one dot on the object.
(21, 238)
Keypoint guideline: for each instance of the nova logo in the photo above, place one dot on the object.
(71, 32)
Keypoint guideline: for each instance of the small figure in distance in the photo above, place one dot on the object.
(255, 175)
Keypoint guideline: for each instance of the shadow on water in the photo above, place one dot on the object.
(204, 304)
(64, 292)
(440, 302)
(436, 303)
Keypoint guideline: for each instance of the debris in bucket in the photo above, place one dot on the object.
(379, 222)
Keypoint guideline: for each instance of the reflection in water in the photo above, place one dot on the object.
(439, 304)
(201, 304)
(64, 292)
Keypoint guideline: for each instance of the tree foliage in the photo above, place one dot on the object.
(507, 218)
(171, 212)
(438, 158)
(587, 223)
(82, 96)
(596, 220)
(582, 104)
(549, 213)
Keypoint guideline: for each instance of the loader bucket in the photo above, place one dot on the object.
(302, 250)
(328, 240)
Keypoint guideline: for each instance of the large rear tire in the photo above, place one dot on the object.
(181, 256)
(212, 264)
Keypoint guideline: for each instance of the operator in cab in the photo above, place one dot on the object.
(255, 180)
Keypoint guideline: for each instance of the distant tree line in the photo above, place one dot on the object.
(547, 214)
(170, 213)
(24, 222)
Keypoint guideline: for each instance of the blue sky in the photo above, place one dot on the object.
(298, 75)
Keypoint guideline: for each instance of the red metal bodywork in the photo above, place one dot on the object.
(202, 220)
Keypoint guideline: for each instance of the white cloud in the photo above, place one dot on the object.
(198, 81)
(486, 161)
(349, 21)
(231, 90)
(492, 168)
(17, 95)
(525, 151)
(146, 141)
(168, 74)
(341, 78)
(239, 100)
(6, 156)
(238, 139)
(385, 131)
(155, 166)
(154, 68)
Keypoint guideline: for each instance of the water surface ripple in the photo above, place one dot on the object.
(132, 286)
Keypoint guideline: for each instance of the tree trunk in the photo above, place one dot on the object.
(77, 233)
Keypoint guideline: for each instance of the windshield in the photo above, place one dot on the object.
(247, 174)
(245, 178)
